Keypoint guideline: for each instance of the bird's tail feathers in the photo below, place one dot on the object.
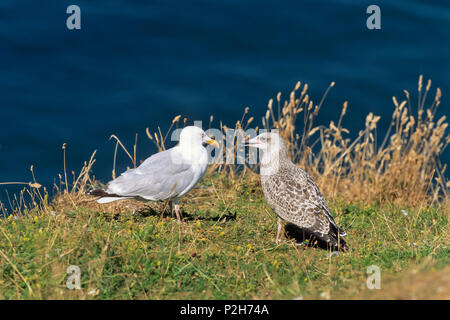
(335, 238)
(110, 199)
(106, 197)
(98, 193)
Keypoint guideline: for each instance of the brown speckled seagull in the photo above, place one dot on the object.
(292, 193)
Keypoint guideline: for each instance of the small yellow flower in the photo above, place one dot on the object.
(306, 279)
(202, 239)
(13, 223)
(158, 263)
(35, 218)
(238, 248)
(198, 224)
(222, 234)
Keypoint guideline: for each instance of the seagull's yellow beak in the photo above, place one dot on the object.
(212, 142)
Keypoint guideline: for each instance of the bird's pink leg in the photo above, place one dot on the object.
(277, 240)
(178, 212)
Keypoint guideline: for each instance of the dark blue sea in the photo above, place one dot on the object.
(137, 64)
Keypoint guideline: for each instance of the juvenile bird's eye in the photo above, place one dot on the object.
(203, 135)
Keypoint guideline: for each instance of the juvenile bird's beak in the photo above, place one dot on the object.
(212, 142)
(251, 143)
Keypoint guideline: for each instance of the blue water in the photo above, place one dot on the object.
(137, 64)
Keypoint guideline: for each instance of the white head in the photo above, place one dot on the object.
(194, 136)
(272, 147)
(268, 142)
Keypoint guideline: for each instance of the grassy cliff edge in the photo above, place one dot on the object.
(390, 196)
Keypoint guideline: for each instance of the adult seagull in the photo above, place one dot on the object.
(167, 175)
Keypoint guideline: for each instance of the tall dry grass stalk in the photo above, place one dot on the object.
(32, 198)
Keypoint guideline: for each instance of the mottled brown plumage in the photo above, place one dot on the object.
(292, 193)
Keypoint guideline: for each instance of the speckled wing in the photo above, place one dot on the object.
(295, 197)
(158, 178)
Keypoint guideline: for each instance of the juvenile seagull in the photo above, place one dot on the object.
(292, 193)
(165, 175)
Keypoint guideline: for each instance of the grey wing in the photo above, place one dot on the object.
(162, 176)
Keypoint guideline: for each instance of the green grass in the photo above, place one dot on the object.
(224, 250)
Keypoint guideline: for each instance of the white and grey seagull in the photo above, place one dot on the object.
(292, 193)
(167, 175)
